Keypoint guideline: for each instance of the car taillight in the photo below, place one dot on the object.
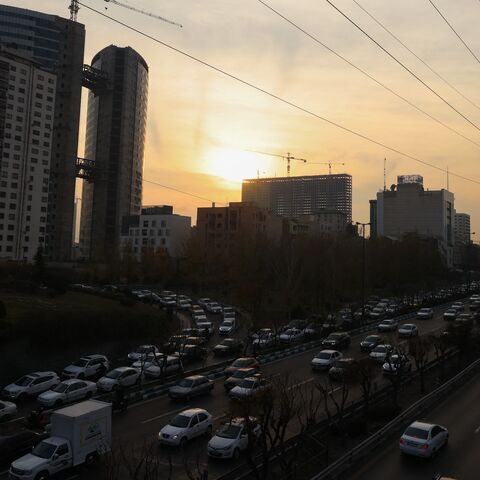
(402, 441)
(424, 446)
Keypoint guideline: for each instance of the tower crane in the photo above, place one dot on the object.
(329, 165)
(288, 157)
(144, 12)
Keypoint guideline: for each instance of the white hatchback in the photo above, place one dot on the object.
(423, 439)
(325, 359)
(186, 425)
(119, 377)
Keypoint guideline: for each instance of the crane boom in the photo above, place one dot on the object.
(144, 12)
(288, 157)
(329, 165)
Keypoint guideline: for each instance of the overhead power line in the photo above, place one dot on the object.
(454, 31)
(420, 59)
(280, 99)
(179, 191)
(411, 72)
(371, 77)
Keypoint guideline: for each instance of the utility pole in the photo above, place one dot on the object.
(363, 225)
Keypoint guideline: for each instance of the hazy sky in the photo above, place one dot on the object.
(200, 123)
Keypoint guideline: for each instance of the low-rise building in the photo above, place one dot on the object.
(156, 229)
(323, 223)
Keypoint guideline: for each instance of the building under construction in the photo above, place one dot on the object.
(305, 195)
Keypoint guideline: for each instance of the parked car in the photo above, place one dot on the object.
(238, 376)
(169, 366)
(30, 385)
(242, 362)
(67, 391)
(119, 377)
(199, 317)
(233, 437)
(408, 330)
(228, 347)
(7, 411)
(89, 366)
(168, 302)
(196, 309)
(340, 367)
(377, 313)
(381, 352)
(325, 359)
(188, 424)
(183, 305)
(227, 327)
(396, 363)
(475, 306)
(291, 335)
(389, 325)
(337, 340)
(370, 342)
(141, 352)
(206, 326)
(450, 314)
(425, 314)
(190, 387)
(213, 307)
(249, 387)
(423, 439)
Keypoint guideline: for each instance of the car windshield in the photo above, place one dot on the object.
(248, 383)
(60, 388)
(416, 432)
(371, 338)
(186, 383)
(242, 362)
(380, 349)
(24, 381)
(227, 323)
(44, 450)
(451, 310)
(227, 342)
(81, 363)
(180, 421)
(387, 322)
(114, 374)
(424, 310)
(229, 431)
(323, 355)
(407, 327)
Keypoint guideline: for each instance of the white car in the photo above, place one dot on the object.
(86, 367)
(458, 306)
(325, 359)
(213, 307)
(423, 439)
(67, 391)
(184, 304)
(408, 330)
(199, 317)
(205, 325)
(250, 386)
(291, 335)
(7, 411)
(141, 352)
(172, 364)
(389, 325)
(232, 438)
(227, 327)
(186, 425)
(425, 314)
(121, 376)
(203, 302)
(264, 339)
(380, 353)
(450, 314)
(152, 359)
(31, 385)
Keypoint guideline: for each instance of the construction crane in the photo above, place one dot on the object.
(329, 165)
(143, 12)
(288, 157)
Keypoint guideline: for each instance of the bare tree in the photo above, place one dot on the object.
(366, 373)
(440, 346)
(419, 349)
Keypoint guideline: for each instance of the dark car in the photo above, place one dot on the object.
(238, 376)
(242, 362)
(174, 344)
(194, 332)
(370, 342)
(337, 340)
(17, 444)
(228, 347)
(341, 367)
(191, 353)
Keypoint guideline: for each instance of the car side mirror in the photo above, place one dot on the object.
(55, 456)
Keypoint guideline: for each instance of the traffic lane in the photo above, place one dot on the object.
(459, 412)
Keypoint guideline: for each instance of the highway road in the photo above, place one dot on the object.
(142, 421)
(460, 413)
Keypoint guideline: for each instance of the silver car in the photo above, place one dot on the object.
(190, 387)
(423, 439)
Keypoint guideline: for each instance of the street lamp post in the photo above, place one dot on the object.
(363, 225)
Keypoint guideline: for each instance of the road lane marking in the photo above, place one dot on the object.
(148, 420)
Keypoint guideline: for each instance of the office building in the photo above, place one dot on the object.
(462, 238)
(294, 196)
(115, 138)
(325, 223)
(27, 102)
(408, 208)
(56, 45)
(158, 230)
(219, 229)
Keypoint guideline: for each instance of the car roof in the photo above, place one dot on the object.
(72, 380)
(190, 412)
(422, 425)
(123, 369)
(91, 357)
(40, 374)
(195, 377)
(408, 325)
(328, 351)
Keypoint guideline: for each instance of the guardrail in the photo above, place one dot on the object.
(339, 467)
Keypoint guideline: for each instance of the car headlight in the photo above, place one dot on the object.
(175, 437)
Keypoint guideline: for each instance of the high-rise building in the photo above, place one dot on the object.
(115, 138)
(56, 45)
(294, 196)
(462, 228)
(408, 208)
(27, 102)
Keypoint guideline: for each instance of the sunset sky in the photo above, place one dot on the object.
(201, 123)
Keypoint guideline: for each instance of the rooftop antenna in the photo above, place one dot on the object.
(384, 174)
(448, 180)
(74, 8)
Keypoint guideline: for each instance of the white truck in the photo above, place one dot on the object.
(79, 434)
